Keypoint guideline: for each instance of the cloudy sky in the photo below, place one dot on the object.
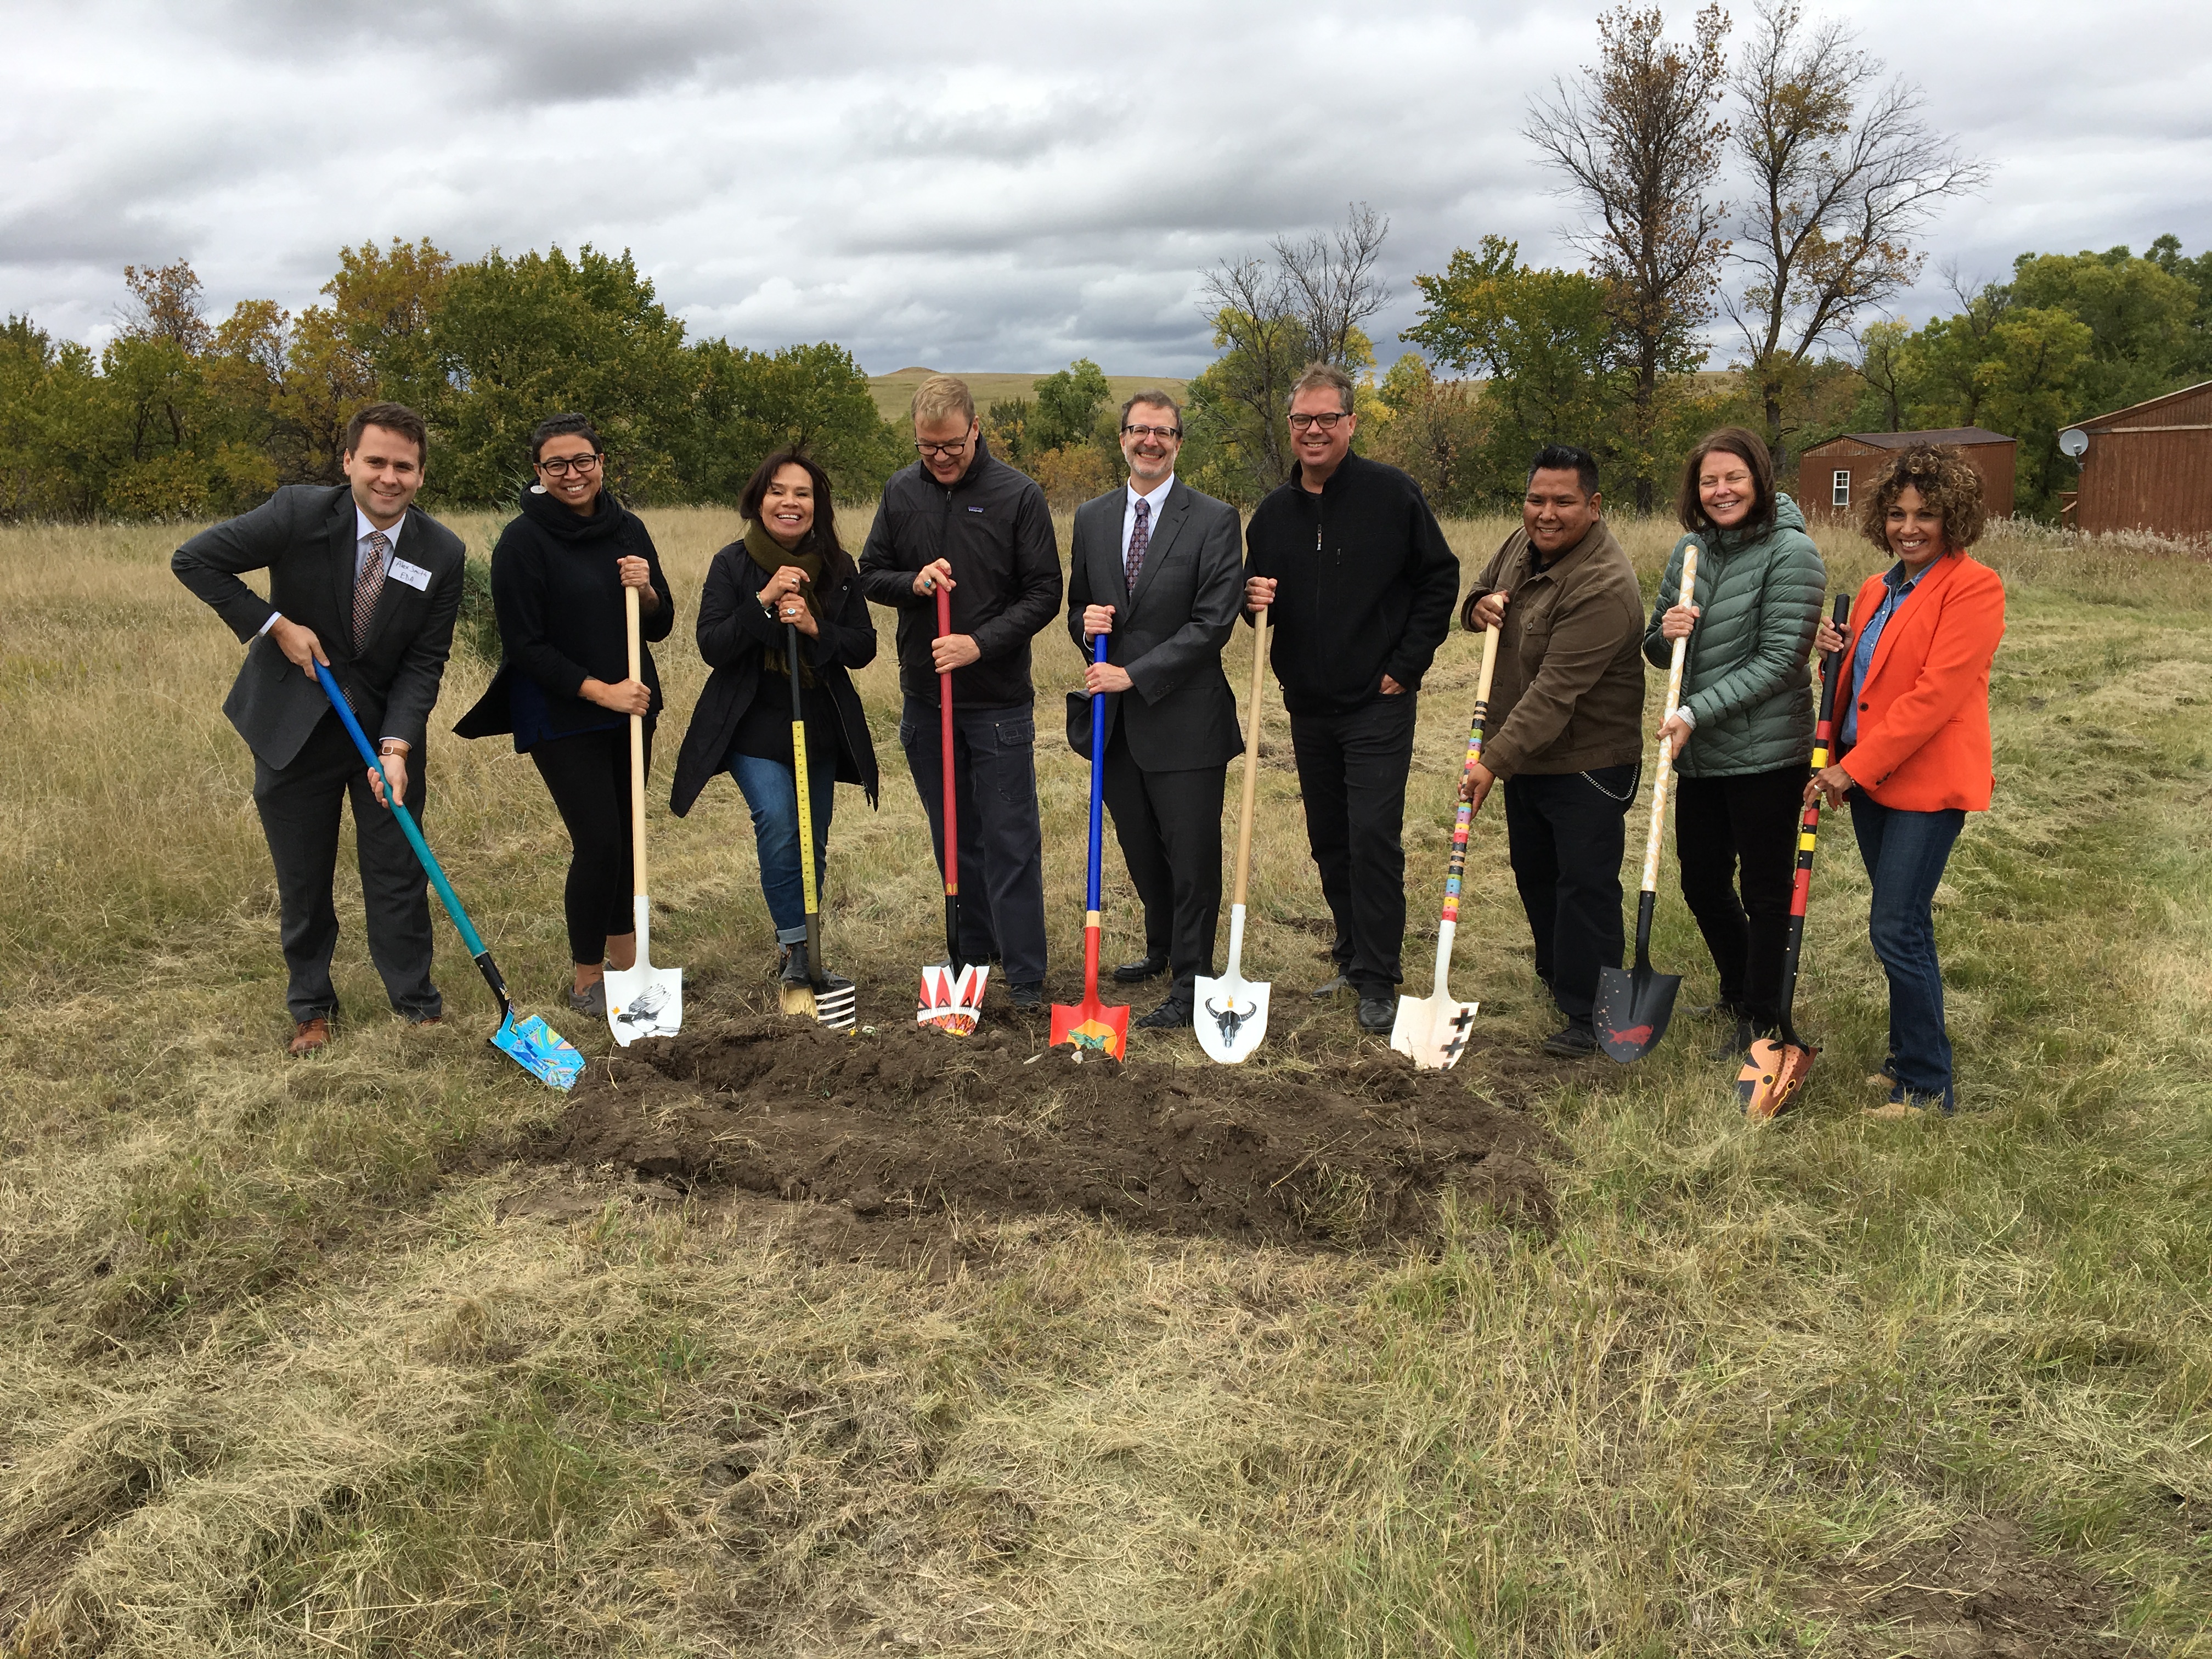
(977, 186)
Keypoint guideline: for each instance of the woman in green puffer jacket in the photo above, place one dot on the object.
(1743, 739)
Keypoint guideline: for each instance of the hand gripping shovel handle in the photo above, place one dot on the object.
(530, 1043)
(951, 811)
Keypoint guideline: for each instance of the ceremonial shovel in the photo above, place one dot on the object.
(1432, 1029)
(1232, 1011)
(1089, 1025)
(951, 995)
(1775, 1068)
(641, 1000)
(827, 998)
(530, 1043)
(1633, 1007)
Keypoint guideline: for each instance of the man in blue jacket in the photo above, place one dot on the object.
(1359, 583)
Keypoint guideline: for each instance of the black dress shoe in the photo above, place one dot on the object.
(1173, 1015)
(1136, 973)
(1576, 1041)
(1377, 1013)
(1030, 995)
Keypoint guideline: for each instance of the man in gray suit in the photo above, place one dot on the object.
(1157, 566)
(365, 582)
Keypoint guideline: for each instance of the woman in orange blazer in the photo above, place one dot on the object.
(1913, 750)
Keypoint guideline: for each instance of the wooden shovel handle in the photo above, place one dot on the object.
(1666, 765)
(1251, 754)
(636, 753)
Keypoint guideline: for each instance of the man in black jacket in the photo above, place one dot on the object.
(1154, 564)
(963, 519)
(361, 580)
(1358, 584)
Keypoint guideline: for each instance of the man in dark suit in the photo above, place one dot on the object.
(363, 580)
(1156, 566)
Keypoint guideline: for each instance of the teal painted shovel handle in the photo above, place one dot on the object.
(429, 859)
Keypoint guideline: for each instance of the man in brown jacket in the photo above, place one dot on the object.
(1566, 732)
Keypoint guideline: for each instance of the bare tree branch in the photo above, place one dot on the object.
(1331, 279)
(1844, 172)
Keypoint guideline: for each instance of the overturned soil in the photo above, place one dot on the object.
(1982, 1591)
(1346, 1151)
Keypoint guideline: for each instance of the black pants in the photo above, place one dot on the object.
(1564, 833)
(1352, 772)
(1001, 839)
(588, 775)
(1168, 824)
(300, 808)
(1742, 828)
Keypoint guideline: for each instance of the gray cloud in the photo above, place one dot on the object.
(1007, 185)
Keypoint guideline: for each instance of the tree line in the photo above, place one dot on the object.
(180, 416)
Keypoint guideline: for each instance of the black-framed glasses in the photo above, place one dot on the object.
(1162, 433)
(937, 451)
(1326, 422)
(560, 466)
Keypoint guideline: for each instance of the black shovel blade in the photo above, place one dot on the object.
(1631, 1011)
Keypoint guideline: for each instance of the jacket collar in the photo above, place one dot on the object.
(1931, 581)
(1173, 511)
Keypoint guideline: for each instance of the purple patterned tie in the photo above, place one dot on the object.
(1141, 537)
(369, 584)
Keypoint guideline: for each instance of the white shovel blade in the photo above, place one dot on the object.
(951, 1002)
(1432, 1031)
(1230, 1017)
(644, 1001)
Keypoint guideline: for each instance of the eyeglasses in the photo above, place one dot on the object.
(937, 452)
(1162, 433)
(1326, 423)
(560, 464)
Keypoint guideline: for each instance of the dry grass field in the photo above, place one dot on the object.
(894, 392)
(339, 1359)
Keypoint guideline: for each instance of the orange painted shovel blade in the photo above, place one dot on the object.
(1092, 1027)
(1773, 1072)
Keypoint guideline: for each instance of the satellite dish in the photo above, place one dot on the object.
(2073, 442)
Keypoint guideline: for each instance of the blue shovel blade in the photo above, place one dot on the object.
(539, 1050)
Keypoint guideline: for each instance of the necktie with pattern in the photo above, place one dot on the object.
(369, 584)
(1139, 537)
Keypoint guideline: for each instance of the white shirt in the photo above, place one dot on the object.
(1159, 499)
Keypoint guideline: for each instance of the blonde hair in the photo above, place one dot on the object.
(941, 395)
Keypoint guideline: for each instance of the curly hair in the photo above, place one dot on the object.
(1947, 482)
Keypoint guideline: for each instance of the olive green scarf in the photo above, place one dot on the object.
(771, 555)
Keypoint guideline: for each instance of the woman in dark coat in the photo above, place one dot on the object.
(563, 687)
(788, 568)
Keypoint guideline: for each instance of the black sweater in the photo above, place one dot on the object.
(559, 601)
(1366, 585)
(994, 529)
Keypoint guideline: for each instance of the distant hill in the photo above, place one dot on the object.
(894, 392)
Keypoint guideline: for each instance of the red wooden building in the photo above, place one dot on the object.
(2146, 468)
(1833, 477)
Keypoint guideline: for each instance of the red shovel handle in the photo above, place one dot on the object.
(945, 743)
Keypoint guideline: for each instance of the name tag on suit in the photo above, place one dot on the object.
(413, 574)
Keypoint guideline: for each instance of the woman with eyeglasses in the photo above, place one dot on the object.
(563, 687)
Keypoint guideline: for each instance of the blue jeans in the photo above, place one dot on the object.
(1904, 853)
(771, 789)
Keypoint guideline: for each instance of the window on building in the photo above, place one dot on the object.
(1842, 496)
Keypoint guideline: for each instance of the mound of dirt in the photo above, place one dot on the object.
(1982, 1591)
(909, 1122)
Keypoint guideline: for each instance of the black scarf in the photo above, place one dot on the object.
(772, 555)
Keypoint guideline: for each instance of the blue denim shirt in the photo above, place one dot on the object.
(1870, 636)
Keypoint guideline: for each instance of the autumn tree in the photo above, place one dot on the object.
(1638, 140)
(1841, 173)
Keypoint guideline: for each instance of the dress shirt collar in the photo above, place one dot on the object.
(1158, 497)
(362, 529)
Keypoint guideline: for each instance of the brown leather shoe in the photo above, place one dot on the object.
(307, 1035)
(428, 1019)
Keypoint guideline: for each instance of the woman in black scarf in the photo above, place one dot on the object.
(563, 687)
(787, 569)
